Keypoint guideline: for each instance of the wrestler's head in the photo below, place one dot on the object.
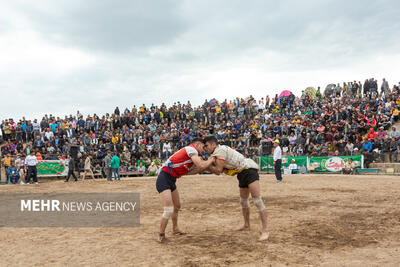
(210, 143)
(198, 143)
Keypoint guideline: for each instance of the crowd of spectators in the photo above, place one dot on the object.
(346, 119)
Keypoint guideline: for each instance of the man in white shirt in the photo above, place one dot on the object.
(30, 163)
(49, 134)
(261, 106)
(141, 169)
(278, 161)
(232, 162)
(293, 166)
(36, 127)
(394, 133)
(167, 149)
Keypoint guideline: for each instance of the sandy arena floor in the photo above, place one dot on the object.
(313, 220)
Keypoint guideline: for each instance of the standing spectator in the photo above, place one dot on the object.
(278, 161)
(7, 131)
(88, 167)
(116, 111)
(31, 163)
(71, 168)
(36, 128)
(1, 165)
(383, 147)
(6, 161)
(384, 87)
(20, 163)
(107, 168)
(366, 150)
(29, 131)
(367, 145)
(114, 164)
(393, 150)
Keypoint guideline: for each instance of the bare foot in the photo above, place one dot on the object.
(264, 236)
(162, 239)
(243, 228)
(178, 232)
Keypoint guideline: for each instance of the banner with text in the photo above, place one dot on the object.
(52, 168)
(334, 164)
(267, 163)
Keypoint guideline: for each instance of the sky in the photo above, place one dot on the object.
(57, 57)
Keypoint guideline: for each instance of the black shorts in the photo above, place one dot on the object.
(165, 181)
(247, 176)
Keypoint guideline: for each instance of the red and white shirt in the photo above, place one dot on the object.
(181, 162)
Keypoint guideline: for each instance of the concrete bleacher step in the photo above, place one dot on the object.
(386, 168)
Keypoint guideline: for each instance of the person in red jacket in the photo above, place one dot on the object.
(371, 134)
(184, 162)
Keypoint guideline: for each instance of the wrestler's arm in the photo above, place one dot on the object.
(218, 167)
(201, 164)
(195, 171)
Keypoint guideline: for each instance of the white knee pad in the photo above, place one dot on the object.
(168, 212)
(259, 203)
(245, 203)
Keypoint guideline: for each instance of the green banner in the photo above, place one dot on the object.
(267, 163)
(334, 164)
(51, 168)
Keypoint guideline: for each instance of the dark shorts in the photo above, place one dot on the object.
(246, 177)
(165, 181)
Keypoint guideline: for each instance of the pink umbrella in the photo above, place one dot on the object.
(285, 93)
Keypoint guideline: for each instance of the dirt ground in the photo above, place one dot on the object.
(313, 220)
